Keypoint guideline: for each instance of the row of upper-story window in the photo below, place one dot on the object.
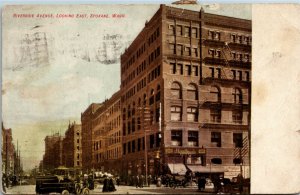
(139, 69)
(181, 49)
(181, 69)
(236, 56)
(234, 37)
(141, 50)
(193, 138)
(192, 115)
(114, 153)
(188, 31)
(110, 139)
(235, 74)
(139, 144)
(153, 36)
(107, 123)
(154, 74)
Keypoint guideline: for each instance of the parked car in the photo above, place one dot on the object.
(61, 181)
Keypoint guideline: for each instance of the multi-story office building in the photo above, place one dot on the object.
(192, 71)
(53, 152)
(72, 150)
(107, 146)
(87, 135)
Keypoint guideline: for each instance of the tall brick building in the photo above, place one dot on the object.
(107, 146)
(87, 136)
(192, 70)
(72, 150)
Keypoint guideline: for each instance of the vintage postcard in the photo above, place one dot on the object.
(137, 99)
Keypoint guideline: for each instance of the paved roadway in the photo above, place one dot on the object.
(30, 189)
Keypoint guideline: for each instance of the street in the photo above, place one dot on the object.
(30, 189)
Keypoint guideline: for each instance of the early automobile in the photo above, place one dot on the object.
(61, 181)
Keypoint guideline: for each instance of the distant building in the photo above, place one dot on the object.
(192, 70)
(53, 152)
(87, 136)
(72, 150)
(8, 152)
(107, 138)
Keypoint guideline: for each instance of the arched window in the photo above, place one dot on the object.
(176, 90)
(237, 96)
(215, 93)
(151, 99)
(133, 109)
(157, 93)
(145, 99)
(192, 92)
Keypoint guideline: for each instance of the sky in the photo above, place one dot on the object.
(48, 83)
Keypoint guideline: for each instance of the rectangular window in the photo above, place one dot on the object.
(176, 113)
(195, 52)
(152, 141)
(211, 52)
(212, 72)
(192, 114)
(218, 53)
(247, 57)
(180, 68)
(237, 116)
(173, 68)
(210, 34)
(139, 144)
(133, 146)
(216, 138)
(195, 70)
(172, 48)
(240, 39)
(187, 51)
(238, 140)
(233, 38)
(240, 75)
(215, 115)
(179, 49)
(193, 138)
(194, 32)
(233, 74)
(128, 147)
(176, 138)
(187, 31)
(179, 30)
(188, 70)
(124, 149)
(247, 76)
(218, 72)
(171, 30)
(217, 36)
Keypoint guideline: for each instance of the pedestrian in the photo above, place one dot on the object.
(118, 180)
(149, 180)
(201, 183)
(105, 185)
(137, 181)
(240, 182)
(141, 181)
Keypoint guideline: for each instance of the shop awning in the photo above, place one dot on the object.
(179, 169)
(206, 169)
